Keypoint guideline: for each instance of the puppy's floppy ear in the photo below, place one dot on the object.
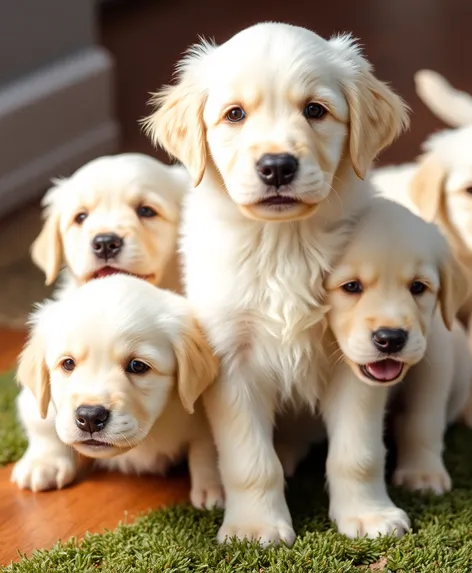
(453, 291)
(196, 364)
(427, 186)
(47, 250)
(377, 115)
(32, 371)
(177, 123)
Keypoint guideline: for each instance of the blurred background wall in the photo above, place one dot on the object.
(56, 94)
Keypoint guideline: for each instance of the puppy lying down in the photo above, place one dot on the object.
(116, 213)
(116, 367)
(393, 297)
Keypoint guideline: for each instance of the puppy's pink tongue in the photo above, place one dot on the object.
(106, 272)
(385, 370)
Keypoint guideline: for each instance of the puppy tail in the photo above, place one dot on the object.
(450, 105)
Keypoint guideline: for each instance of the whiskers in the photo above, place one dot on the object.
(337, 356)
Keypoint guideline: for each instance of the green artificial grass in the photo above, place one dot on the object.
(12, 440)
(181, 539)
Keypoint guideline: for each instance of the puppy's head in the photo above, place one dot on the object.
(274, 112)
(108, 356)
(115, 214)
(442, 186)
(385, 289)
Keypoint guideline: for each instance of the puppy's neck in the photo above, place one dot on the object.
(349, 196)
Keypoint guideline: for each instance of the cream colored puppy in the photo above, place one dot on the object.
(277, 128)
(383, 294)
(438, 187)
(116, 367)
(115, 214)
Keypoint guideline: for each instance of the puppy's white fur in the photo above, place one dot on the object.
(390, 250)
(254, 272)
(108, 192)
(154, 417)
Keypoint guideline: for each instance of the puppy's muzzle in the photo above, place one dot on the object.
(277, 169)
(107, 246)
(91, 419)
(389, 340)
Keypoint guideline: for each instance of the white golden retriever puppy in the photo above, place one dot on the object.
(277, 128)
(438, 187)
(116, 367)
(383, 294)
(115, 214)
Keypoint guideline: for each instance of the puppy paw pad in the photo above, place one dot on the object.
(207, 497)
(382, 522)
(265, 533)
(422, 479)
(42, 474)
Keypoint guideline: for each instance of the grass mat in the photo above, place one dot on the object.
(180, 539)
(12, 441)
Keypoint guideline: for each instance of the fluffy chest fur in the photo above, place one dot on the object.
(257, 289)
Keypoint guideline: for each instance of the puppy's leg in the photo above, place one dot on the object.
(459, 406)
(206, 489)
(359, 502)
(242, 419)
(47, 462)
(421, 423)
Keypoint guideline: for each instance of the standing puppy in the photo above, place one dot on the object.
(277, 128)
(393, 296)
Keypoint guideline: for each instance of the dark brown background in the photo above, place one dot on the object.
(399, 36)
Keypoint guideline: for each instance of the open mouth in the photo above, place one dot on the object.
(109, 271)
(386, 370)
(96, 444)
(279, 200)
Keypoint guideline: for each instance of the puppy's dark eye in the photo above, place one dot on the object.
(68, 364)
(235, 114)
(353, 287)
(137, 367)
(314, 111)
(468, 190)
(146, 212)
(80, 217)
(417, 288)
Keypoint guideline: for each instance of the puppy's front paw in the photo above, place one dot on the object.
(384, 521)
(423, 476)
(207, 496)
(265, 532)
(41, 474)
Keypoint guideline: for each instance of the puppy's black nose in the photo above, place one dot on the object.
(389, 340)
(277, 169)
(107, 246)
(91, 418)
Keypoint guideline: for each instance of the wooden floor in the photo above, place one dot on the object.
(35, 520)
(146, 38)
